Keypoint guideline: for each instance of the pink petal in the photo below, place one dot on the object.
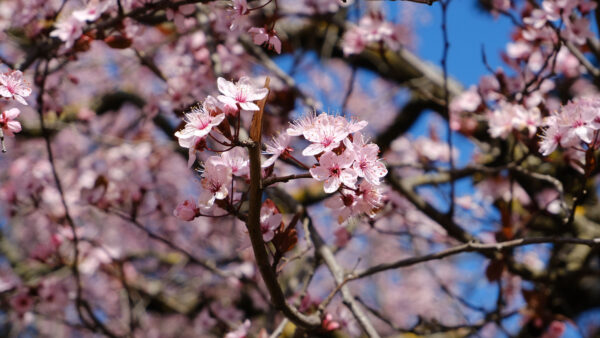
(319, 173)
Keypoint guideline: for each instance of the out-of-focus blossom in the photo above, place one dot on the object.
(178, 15)
(186, 210)
(242, 93)
(92, 11)
(13, 86)
(240, 332)
(7, 121)
(21, 302)
(68, 30)
(239, 8)
(270, 220)
(335, 170)
(261, 36)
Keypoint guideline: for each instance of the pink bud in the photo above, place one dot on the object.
(186, 211)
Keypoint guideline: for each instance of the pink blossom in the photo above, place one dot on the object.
(354, 41)
(326, 134)
(344, 205)
(577, 30)
(467, 101)
(242, 93)
(7, 121)
(329, 324)
(186, 210)
(556, 329)
(13, 86)
(92, 11)
(301, 125)
(198, 125)
(370, 198)
(240, 332)
(335, 170)
(342, 237)
(366, 162)
(237, 160)
(270, 220)
(237, 13)
(261, 36)
(68, 30)
(276, 147)
(178, 15)
(21, 302)
(216, 179)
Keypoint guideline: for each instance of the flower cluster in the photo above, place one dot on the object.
(12, 87)
(344, 156)
(575, 125)
(373, 28)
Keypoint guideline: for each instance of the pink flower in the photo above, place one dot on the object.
(335, 170)
(242, 93)
(302, 124)
(326, 134)
(270, 220)
(354, 41)
(13, 86)
(467, 101)
(68, 31)
(21, 302)
(92, 11)
(240, 332)
(178, 15)
(329, 324)
(366, 162)
(198, 124)
(239, 10)
(261, 36)
(8, 123)
(343, 205)
(370, 198)
(215, 180)
(237, 160)
(278, 146)
(186, 211)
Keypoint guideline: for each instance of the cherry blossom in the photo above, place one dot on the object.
(240, 332)
(237, 160)
(261, 36)
(326, 134)
(242, 93)
(198, 125)
(277, 147)
(186, 210)
(335, 170)
(68, 30)
(7, 121)
(92, 11)
(270, 220)
(216, 179)
(13, 86)
(366, 161)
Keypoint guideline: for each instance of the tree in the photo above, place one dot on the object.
(288, 219)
